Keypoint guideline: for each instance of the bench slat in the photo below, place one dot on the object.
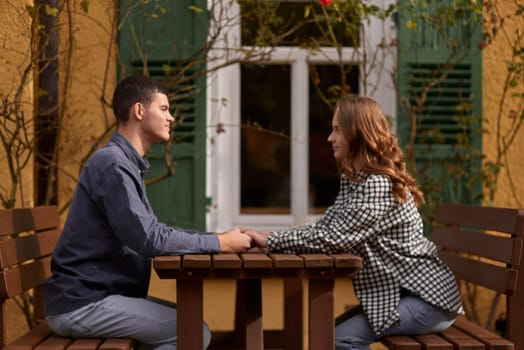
(497, 278)
(492, 340)
(85, 344)
(462, 340)
(117, 344)
(397, 342)
(433, 342)
(493, 247)
(54, 342)
(30, 339)
(25, 277)
(28, 219)
(486, 218)
(18, 250)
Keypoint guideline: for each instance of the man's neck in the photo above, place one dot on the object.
(135, 140)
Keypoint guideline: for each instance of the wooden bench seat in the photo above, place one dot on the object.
(27, 240)
(482, 246)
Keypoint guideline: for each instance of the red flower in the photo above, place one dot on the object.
(326, 2)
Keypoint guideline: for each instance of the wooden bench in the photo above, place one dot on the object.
(483, 247)
(27, 240)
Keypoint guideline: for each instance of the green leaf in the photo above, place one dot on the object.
(84, 5)
(50, 11)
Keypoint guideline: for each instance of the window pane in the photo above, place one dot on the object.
(326, 84)
(296, 23)
(265, 142)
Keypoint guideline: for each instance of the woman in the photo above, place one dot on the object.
(403, 287)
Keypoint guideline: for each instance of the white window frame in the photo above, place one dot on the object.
(223, 108)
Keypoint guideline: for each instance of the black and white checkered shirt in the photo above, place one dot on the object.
(367, 221)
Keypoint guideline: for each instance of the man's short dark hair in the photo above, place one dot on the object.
(134, 89)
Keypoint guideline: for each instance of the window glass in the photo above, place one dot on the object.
(296, 23)
(265, 142)
(326, 83)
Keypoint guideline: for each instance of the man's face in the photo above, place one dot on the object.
(157, 119)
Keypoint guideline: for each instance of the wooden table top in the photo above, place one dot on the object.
(255, 264)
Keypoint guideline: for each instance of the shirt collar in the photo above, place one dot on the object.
(130, 152)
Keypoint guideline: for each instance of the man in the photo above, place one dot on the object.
(102, 261)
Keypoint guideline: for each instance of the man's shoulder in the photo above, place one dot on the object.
(106, 156)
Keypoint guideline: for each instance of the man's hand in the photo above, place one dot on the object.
(234, 241)
(260, 238)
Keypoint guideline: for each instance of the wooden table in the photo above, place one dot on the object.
(249, 269)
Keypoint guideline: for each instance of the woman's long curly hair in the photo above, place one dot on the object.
(368, 137)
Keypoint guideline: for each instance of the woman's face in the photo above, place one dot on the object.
(338, 143)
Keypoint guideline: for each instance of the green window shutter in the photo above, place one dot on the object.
(160, 38)
(445, 133)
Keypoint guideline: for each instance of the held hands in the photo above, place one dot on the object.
(236, 240)
(259, 238)
(233, 241)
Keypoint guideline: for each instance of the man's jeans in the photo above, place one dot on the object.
(353, 331)
(150, 321)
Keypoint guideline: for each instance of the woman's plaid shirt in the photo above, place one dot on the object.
(367, 221)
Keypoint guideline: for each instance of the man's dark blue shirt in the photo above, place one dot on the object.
(111, 233)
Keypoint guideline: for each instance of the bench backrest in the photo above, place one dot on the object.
(483, 246)
(27, 240)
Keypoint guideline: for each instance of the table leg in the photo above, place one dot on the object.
(293, 313)
(321, 314)
(248, 319)
(190, 314)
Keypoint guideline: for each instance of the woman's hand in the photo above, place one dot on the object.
(259, 238)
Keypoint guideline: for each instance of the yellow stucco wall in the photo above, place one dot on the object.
(495, 56)
(14, 59)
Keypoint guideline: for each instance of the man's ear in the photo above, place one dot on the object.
(138, 111)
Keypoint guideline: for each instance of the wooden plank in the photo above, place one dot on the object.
(493, 247)
(17, 250)
(85, 344)
(346, 261)
(117, 344)
(491, 339)
(30, 339)
(433, 342)
(486, 218)
(497, 278)
(287, 261)
(461, 340)
(196, 261)
(28, 219)
(28, 276)
(54, 342)
(398, 342)
(226, 261)
(256, 261)
(167, 262)
(317, 260)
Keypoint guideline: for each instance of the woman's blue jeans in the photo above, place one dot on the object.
(150, 321)
(353, 331)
